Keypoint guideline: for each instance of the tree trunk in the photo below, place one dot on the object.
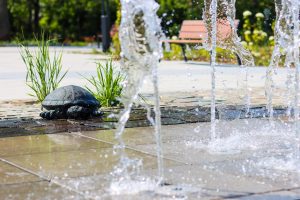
(4, 21)
(29, 20)
(36, 6)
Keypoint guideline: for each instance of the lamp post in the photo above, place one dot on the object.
(105, 25)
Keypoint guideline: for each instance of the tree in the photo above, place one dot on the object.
(173, 12)
(4, 20)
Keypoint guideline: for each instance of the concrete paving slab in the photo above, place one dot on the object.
(296, 190)
(253, 169)
(185, 142)
(76, 160)
(235, 172)
(85, 162)
(98, 187)
(216, 182)
(12, 175)
(37, 191)
(37, 144)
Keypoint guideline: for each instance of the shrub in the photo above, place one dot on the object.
(106, 84)
(254, 32)
(44, 73)
(192, 53)
(115, 37)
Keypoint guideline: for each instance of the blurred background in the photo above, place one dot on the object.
(78, 23)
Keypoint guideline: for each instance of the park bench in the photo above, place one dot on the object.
(194, 31)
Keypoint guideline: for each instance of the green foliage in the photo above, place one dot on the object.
(115, 38)
(43, 72)
(174, 54)
(261, 54)
(254, 34)
(256, 39)
(106, 85)
(173, 12)
(223, 56)
(71, 19)
(19, 15)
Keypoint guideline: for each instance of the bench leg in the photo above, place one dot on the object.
(183, 52)
(238, 59)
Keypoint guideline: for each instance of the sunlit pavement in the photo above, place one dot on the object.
(174, 76)
(180, 83)
(78, 165)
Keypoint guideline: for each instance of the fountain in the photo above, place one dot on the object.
(223, 12)
(286, 40)
(140, 36)
(223, 159)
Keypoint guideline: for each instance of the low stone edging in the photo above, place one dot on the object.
(169, 116)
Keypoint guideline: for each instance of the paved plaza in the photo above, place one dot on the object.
(180, 83)
(174, 76)
(77, 165)
(252, 160)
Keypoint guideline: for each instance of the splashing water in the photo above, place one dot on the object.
(219, 16)
(282, 164)
(211, 25)
(286, 44)
(140, 36)
(252, 137)
(287, 39)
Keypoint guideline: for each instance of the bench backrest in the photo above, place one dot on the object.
(195, 29)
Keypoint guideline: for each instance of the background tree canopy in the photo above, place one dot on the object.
(73, 19)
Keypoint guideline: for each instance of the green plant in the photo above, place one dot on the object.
(254, 33)
(106, 84)
(115, 37)
(175, 53)
(44, 73)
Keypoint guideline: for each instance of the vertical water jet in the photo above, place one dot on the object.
(217, 15)
(141, 49)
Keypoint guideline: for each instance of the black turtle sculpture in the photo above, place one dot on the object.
(70, 102)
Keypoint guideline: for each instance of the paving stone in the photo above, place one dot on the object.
(216, 183)
(79, 163)
(37, 144)
(12, 175)
(37, 191)
(98, 187)
(185, 142)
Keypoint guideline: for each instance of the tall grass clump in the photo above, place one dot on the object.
(106, 85)
(44, 72)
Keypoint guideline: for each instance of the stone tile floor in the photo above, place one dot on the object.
(77, 165)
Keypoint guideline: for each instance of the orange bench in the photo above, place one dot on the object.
(194, 31)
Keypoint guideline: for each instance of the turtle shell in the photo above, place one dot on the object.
(68, 96)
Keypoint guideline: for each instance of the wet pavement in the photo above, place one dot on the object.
(77, 165)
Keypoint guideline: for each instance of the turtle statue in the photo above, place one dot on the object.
(70, 102)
